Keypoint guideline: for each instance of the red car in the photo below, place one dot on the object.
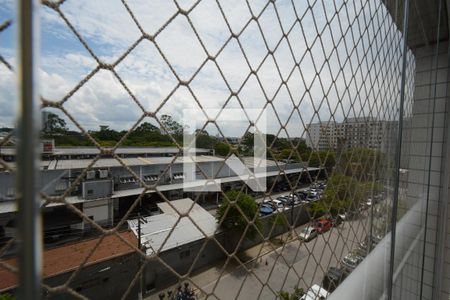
(323, 226)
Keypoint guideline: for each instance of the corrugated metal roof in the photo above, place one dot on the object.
(157, 233)
(120, 150)
(134, 161)
(252, 162)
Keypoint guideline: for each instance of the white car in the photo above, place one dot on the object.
(308, 233)
(279, 204)
(316, 292)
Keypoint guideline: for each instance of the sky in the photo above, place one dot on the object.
(291, 95)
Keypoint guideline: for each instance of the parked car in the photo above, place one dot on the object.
(315, 191)
(359, 252)
(312, 197)
(333, 278)
(302, 195)
(295, 198)
(323, 226)
(266, 209)
(377, 237)
(365, 242)
(348, 215)
(288, 201)
(351, 261)
(308, 233)
(322, 185)
(335, 220)
(280, 205)
(316, 292)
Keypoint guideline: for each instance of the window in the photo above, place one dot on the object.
(10, 192)
(61, 186)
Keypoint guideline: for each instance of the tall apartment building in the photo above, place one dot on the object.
(351, 133)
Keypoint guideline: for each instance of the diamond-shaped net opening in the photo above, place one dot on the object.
(217, 149)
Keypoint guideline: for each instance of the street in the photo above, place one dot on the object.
(294, 264)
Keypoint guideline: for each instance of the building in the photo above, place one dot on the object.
(105, 188)
(321, 136)
(351, 133)
(107, 272)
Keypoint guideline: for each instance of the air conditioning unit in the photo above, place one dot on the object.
(102, 173)
(90, 174)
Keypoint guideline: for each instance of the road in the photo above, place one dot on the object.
(294, 264)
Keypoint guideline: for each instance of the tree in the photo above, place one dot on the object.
(222, 149)
(302, 147)
(204, 140)
(296, 294)
(53, 124)
(248, 140)
(107, 136)
(326, 159)
(7, 296)
(343, 194)
(233, 220)
(146, 128)
(288, 153)
(361, 163)
(170, 126)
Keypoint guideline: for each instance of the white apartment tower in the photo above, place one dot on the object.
(351, 133)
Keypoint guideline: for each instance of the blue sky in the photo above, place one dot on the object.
(109, 31)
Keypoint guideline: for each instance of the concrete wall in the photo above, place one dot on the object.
(101, 211)
(157, 276)
(271, 229)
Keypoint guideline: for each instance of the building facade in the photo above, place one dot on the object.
(351, 133)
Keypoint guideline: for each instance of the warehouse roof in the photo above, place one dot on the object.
(66, 164)
(135, 161)
(157, 233)
(118, 151)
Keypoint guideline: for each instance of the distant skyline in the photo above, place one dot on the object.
(109, 31)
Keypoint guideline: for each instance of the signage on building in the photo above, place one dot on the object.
(48, 146)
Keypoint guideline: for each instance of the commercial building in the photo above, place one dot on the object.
(105, 187)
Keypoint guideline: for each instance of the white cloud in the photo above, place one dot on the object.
(105, 24)
(8, 96)
(109, 30)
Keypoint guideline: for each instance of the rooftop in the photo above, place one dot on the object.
(70, 257)
(118, 151)
(156, 231)
(134, 161)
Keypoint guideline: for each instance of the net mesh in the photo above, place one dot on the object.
(327, 74)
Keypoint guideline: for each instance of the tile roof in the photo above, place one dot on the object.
(68, 257)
